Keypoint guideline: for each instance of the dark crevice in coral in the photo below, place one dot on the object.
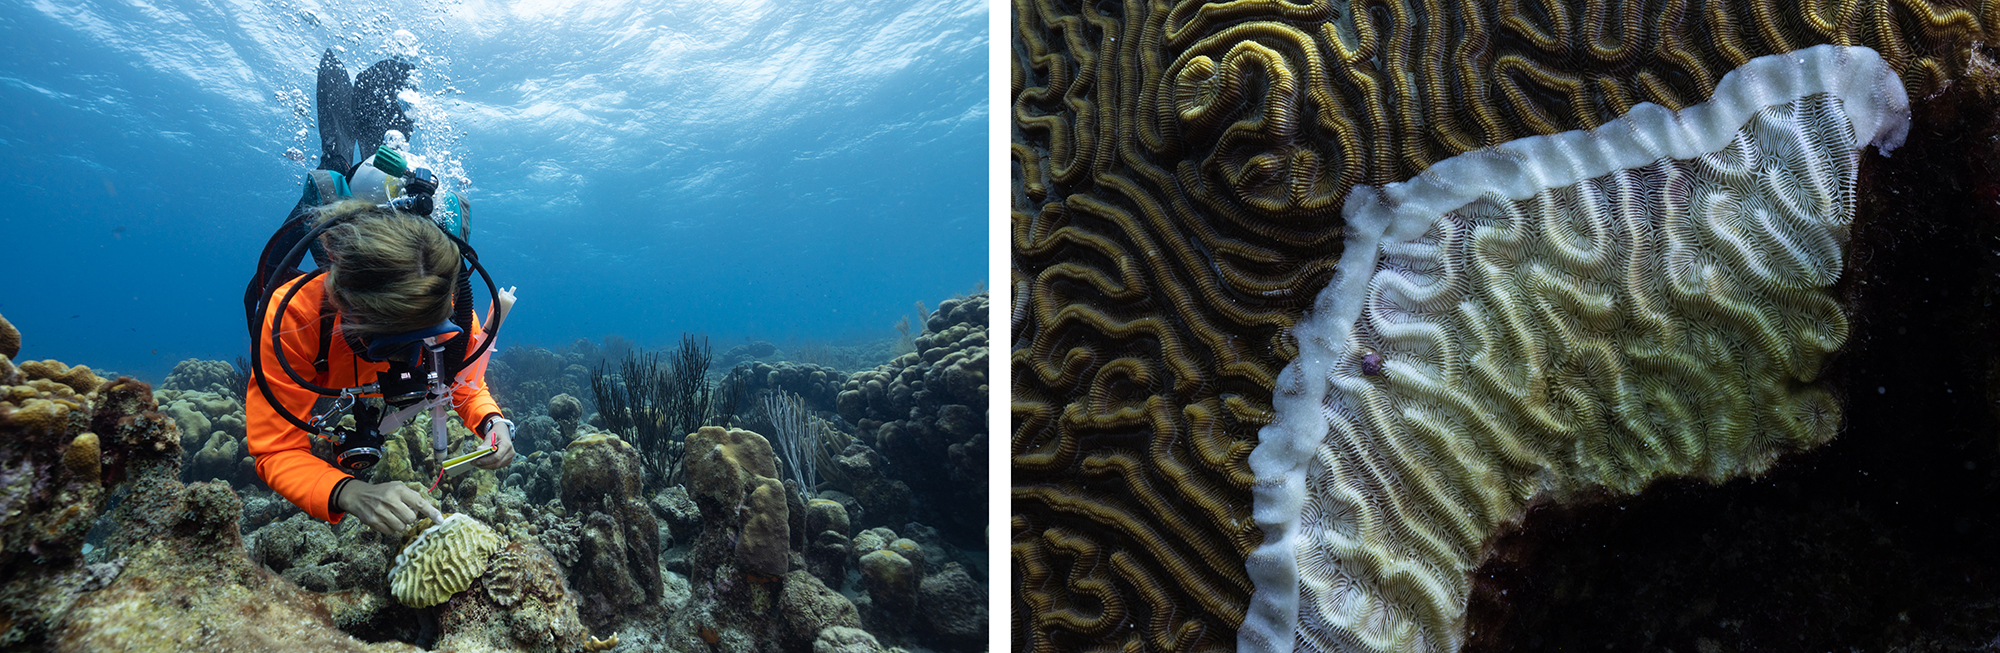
(1883, 539)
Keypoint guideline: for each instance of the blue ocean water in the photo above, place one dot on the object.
(778, 170)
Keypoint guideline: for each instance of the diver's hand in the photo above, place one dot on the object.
(389, 508)
(501, 434)
(503, 307)
(507, 300)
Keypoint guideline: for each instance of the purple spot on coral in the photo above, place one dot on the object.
(1371, 364)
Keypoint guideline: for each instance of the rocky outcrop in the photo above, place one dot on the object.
(926, 413)
(618, 564)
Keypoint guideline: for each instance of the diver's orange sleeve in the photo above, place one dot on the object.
(473, 401)
(283, 451)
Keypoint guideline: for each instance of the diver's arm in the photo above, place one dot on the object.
(473, 401)
(284, 453)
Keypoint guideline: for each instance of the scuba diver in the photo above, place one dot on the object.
(381, 330)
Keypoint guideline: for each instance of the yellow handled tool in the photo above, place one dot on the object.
(457, 467)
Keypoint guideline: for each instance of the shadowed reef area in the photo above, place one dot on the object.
(1881, 539)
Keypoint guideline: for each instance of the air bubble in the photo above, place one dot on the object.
(403, 42)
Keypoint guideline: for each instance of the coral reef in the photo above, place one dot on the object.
(826, 557)
(10, 339)
(891, 580)
(748, 351)
(187, 586)
(347, 565)
(520, 604)
(79, 378)
(618, 566)
(926, 413)
(655, 399)
(825, 527)
(842, 639)
(954, 609)
(877, 500)
(218, 377)
(537, 475)
(733, 474)
(539, 433)
(174, 575)
(915, 597)
(747, 590)
(169, 569)
(529, 377)
(218, 459)
(567, 411)
(262, 507)
(826, 515)
(764, 541)
(818, 385)
(295, 548)
(560, 534)
(84, 459)
(1868, 539)
(806, 607)
(678, 510)
(51, 490)
(212, 430)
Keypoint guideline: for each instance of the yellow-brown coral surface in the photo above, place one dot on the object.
(1179, 172)
(443, 561)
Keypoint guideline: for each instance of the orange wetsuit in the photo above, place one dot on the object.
(284, 453)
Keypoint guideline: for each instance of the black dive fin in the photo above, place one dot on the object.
(375, 106)
(353, 115)
(336, 128)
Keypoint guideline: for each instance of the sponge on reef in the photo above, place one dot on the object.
(444, 560)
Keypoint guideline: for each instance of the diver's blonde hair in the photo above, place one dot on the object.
(391, 272)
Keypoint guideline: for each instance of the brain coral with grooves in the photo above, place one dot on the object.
(1560, 314)
(442, 561)
(1179, 167)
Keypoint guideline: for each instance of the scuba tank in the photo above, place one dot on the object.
(393, 176)
(379, 178)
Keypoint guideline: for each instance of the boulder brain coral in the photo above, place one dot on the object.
(1561, 313)
(1178, 173)
(442, 561)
